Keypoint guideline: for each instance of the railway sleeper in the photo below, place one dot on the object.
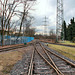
(60, 62)
(68, 72)
(64, 68)
(41, 66)
(50, 71)
(59, 65)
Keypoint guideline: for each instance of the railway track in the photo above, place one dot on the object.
(11, 48)
(45, 62)
(61, 44)
(42, 61)
(40, 65)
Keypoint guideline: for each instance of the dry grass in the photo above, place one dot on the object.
(67, 43)
(8, 59)
(66, 51)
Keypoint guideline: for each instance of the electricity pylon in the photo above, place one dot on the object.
(45, 25)
(59, 19)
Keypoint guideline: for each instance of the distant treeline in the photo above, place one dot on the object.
(69, 30)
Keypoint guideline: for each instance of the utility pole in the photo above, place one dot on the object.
(45, 25)
(59, 19)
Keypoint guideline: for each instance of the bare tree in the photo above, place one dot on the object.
(28, 24)
(27, 6)
(8, 8)
(8, 11)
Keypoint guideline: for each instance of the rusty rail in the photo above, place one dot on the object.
(69, 62)
(51, 60)
(30, 72)
(47, 62)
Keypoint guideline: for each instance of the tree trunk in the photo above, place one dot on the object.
(2, 39)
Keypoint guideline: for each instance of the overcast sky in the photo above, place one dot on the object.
(48, 8)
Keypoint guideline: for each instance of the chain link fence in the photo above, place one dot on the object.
(11, 40)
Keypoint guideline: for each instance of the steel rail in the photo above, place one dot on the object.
(59, 44)
(30, 72)
(69, 62)
(62, 44)
(11, 48)
(47, 61)
(51, 59)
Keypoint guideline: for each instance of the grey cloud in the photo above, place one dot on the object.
(69, 9)
(69, 12)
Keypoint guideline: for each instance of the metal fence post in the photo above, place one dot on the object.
(4, 40)
(15, 39)
(10, 40)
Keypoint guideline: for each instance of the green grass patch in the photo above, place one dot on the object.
(66, 51)
(66, 42)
